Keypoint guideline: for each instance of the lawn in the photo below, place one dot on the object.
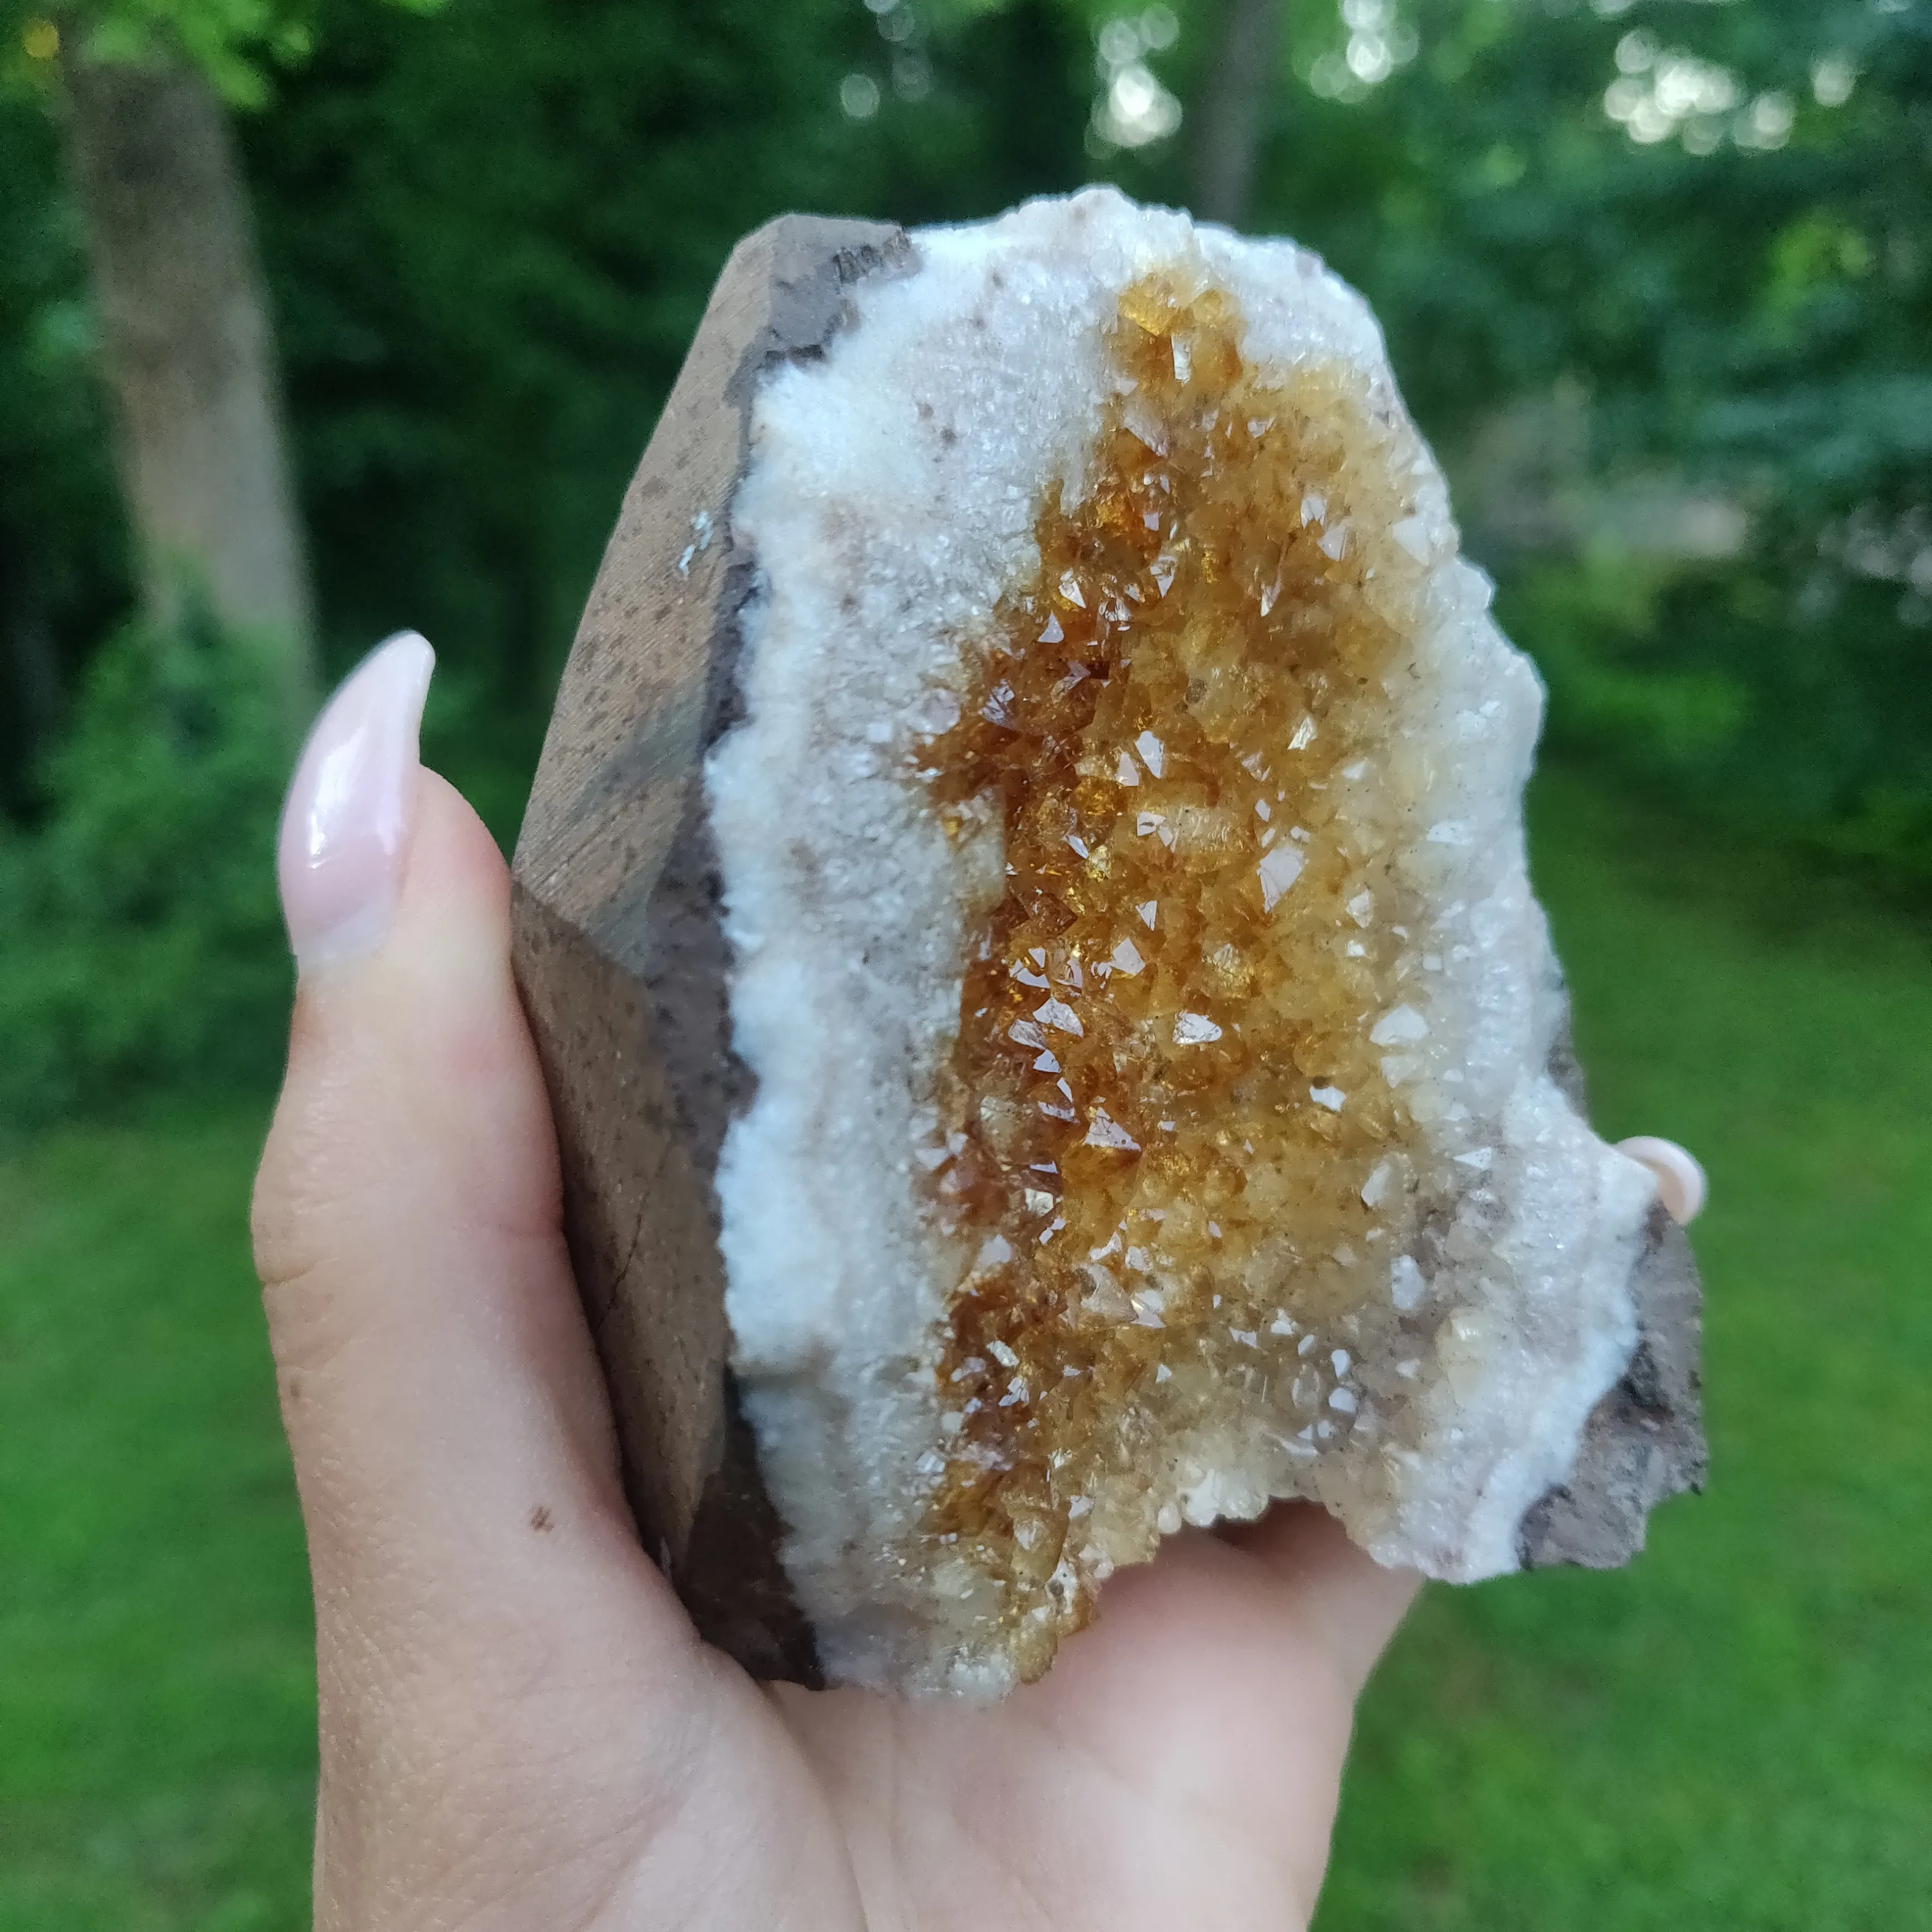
(1736, 1733)
(157, 1693)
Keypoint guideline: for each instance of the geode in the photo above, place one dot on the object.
(1025, 915)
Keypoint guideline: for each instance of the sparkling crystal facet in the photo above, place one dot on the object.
(1161, 718)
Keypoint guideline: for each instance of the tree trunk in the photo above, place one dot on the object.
(190, 357)
(1230, 114)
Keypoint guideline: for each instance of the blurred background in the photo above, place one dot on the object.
(319, 318)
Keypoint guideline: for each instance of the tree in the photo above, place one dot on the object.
(186, 343)
(187, 350)
(1235, 97)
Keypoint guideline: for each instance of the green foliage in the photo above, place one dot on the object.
(233, 42)
(1694, 678)
(63, 565)
(477, 342)
(1607, 650)
(143, 942)
(1744, 298)
(240, 45)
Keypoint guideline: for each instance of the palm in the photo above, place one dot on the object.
(1178, 1765)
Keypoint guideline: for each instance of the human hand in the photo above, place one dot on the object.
(519, 1728)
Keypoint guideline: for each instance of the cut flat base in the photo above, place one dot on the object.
(1024, 913)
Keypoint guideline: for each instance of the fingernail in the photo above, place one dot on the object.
(1680, 1185)
(352, 802)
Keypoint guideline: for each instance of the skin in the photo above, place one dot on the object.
(519, 1728)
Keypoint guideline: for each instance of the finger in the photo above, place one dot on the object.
(1681, 1184)
(441, 1395)
(1345, 1602)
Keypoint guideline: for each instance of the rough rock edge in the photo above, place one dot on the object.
(1644, 1441)
(618, 910)
(733, 1580)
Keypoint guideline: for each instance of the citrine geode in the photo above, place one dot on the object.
(1025, 916)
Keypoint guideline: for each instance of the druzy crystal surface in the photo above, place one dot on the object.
(1151, 1022)
(1174, 1120)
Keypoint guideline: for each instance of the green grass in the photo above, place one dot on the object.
(1736, 1733)
(157, 1693)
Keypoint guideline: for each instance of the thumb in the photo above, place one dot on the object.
(452, 1444)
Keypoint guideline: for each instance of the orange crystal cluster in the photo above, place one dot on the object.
(1167, 1140)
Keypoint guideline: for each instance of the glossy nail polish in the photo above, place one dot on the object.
(1680, 1185)
(351, 805)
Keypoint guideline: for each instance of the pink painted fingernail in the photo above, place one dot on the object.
(1680, 1185)
(351, 805)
